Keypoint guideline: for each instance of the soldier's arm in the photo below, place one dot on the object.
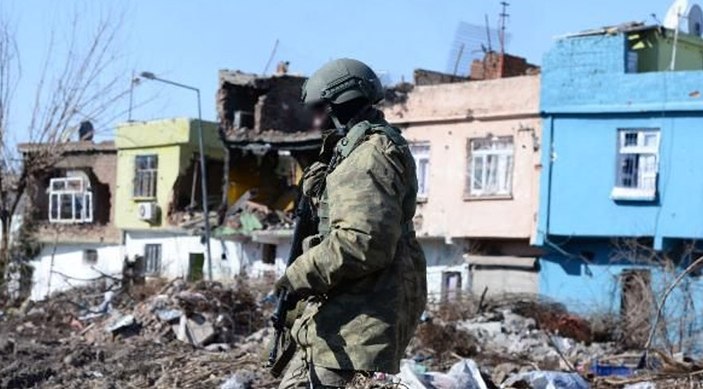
(365, 202)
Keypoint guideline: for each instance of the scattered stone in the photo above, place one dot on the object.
(502, 371)
(239, 380)
(121, 323)
(482, 330)
(218, 347)
(7, 346)
(516, 324)
(168, 315)
(196, 330)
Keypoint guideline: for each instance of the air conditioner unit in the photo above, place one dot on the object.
(148, 211)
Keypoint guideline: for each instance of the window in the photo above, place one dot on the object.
(152, 259)
(70, 201)
(268, 253)
(637, 165)
(451, 285)
(490, 166)
(90, 256)
(145, 175)
(421, 154)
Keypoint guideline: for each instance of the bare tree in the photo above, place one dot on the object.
(79, 80)
(648, 314)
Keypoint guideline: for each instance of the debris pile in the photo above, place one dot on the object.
(207, 334)
(172, 335)
(246, 216)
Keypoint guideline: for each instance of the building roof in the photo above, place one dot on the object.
(614, 30)
(299, 140)
(68, 147)
(238, 77)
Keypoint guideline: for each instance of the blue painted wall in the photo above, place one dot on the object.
(586, 97)
(587, 75)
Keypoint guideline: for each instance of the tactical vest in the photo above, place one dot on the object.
(343, 149)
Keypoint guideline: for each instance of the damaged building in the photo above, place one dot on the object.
(159, 202)
(476, 144)
(73, 208)
(264, 128)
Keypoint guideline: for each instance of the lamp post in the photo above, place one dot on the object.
(203, 169)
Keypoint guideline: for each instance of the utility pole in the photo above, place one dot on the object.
(503, 18)
(203, 169)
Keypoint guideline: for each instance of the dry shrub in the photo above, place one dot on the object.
(462, 307)
(444, 341)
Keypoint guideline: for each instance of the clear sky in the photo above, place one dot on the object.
(188, 41)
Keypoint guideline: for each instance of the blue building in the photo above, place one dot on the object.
(621, 186)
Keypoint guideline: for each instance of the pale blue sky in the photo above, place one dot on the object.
(188, 41)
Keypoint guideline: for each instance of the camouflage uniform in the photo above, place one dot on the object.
(365, 269)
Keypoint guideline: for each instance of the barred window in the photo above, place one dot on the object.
(152, 259)
(145, 175)
(638, 164)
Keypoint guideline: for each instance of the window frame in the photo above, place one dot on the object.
(645, 171)
(423, 158)
(145, 179)
(153, 252)
(504, 157)
(77, 194)
(90, 257)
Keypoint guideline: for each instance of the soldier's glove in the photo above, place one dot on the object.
(284, 284)
(297, 304)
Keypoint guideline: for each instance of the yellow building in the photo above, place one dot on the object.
(158, 198)
(158, 172)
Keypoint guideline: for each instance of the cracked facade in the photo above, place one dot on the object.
(74, 213)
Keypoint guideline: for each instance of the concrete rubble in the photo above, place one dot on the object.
(208, 334)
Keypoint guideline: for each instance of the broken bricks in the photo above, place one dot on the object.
(197, 330)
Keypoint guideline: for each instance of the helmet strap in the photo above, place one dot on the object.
(341, 128)
(344, 127)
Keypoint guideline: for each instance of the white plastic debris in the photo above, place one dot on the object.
(547, 380)
(239, 380)
(641, 385)
(462, 375)
(168, 315)
(106, 305)
(410, 375)
(121, 323)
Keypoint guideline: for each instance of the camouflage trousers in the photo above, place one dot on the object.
(301, 374)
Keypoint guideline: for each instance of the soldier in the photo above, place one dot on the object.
(363, 274)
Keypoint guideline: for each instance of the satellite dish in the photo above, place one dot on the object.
(695, 20)
(675, 13)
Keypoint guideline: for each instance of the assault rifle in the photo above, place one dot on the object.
(304, 227)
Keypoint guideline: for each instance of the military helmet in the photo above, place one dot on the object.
(340, 81)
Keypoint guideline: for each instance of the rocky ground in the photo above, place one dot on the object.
(206, 335)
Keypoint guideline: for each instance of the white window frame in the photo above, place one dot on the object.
(145, 179)
(641, 183)
(152, 258)
(421, 154)
(74, 191)
(502, 160)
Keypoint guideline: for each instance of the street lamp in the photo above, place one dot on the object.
(203, 170)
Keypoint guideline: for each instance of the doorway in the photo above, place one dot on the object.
(195, 266)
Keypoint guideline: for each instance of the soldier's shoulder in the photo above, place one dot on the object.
(387, 137)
